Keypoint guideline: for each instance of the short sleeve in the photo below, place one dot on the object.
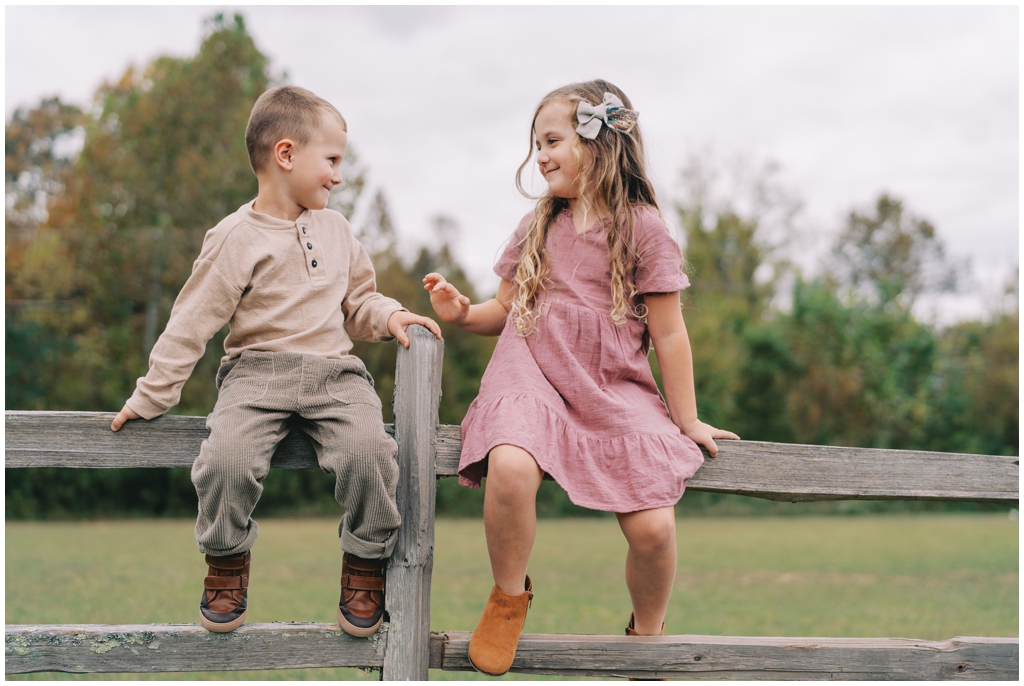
(508, 263)
(660, 260)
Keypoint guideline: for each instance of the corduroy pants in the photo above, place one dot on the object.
(262, 397)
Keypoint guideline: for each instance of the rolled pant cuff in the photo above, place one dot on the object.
(366, 550)
(245, 545)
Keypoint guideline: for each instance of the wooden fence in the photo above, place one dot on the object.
(404, 648)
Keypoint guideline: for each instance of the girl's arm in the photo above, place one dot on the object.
(672, 345)
(485, 319)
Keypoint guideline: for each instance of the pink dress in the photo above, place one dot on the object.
(578, 393)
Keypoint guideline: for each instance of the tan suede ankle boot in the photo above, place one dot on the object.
(492, 648)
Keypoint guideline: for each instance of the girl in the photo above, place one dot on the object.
(589, 280)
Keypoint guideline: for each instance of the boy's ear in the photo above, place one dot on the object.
(283, 151)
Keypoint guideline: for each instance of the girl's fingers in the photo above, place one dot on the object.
(726, 434)
(448, 290)
(712, 448)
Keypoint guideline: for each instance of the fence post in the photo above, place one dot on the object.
(417, 394)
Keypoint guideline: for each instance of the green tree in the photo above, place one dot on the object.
(736, 220)
(840, 374)
(976, 395)
(849, 364)
(163, 159)
(890, 255)
(39, 145)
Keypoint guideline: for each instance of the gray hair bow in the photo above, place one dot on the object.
(610, 112)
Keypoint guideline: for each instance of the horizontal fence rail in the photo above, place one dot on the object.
(776, 471)
(137, 648)
(747, 657)
(180, 648)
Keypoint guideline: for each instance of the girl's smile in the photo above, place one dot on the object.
(555, 137)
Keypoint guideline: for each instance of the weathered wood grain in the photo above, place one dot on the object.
(417, 394)
(777, 471)
(795, 473)
(448, 446)
(84, 440)
(185, 647)
(726, 657)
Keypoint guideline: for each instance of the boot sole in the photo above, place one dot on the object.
(224, 628)
(473, 665)
(358, 631)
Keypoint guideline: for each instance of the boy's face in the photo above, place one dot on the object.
(316, 166)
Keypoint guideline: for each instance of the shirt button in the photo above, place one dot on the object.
(309, 245)
(303, 229)
(314, 264)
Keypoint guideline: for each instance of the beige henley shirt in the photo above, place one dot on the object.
(305, 286)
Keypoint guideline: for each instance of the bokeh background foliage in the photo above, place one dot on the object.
(107, 208)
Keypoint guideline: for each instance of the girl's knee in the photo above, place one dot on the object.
(513, 473)
(651, 532)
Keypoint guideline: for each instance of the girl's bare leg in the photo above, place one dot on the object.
(510, 514)
(650, 565)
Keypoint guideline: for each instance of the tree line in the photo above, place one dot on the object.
(107, 208)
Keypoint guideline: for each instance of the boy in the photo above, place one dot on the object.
(293, 284)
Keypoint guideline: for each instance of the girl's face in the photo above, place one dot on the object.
(555, 137)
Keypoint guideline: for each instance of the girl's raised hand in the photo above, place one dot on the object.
(450, 305)
(705, 435)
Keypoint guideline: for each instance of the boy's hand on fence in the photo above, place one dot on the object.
(450, 305)
(123, 416)
(399, 321)
(705, 435)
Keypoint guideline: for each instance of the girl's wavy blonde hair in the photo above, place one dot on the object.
(612, 174)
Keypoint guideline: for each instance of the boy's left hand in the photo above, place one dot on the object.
(399, 321)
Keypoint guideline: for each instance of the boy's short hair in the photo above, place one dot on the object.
(284, 112)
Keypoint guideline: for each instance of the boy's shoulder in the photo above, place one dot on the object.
(225, 229)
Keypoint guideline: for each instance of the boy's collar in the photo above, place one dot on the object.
(268, 222)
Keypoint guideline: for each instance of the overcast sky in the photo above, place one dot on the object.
(921, 102)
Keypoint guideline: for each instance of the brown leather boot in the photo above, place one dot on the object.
(225, 592)
(630, 631)
(361, 608)
(492, 647)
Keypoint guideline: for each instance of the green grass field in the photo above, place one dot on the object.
(924, 576)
